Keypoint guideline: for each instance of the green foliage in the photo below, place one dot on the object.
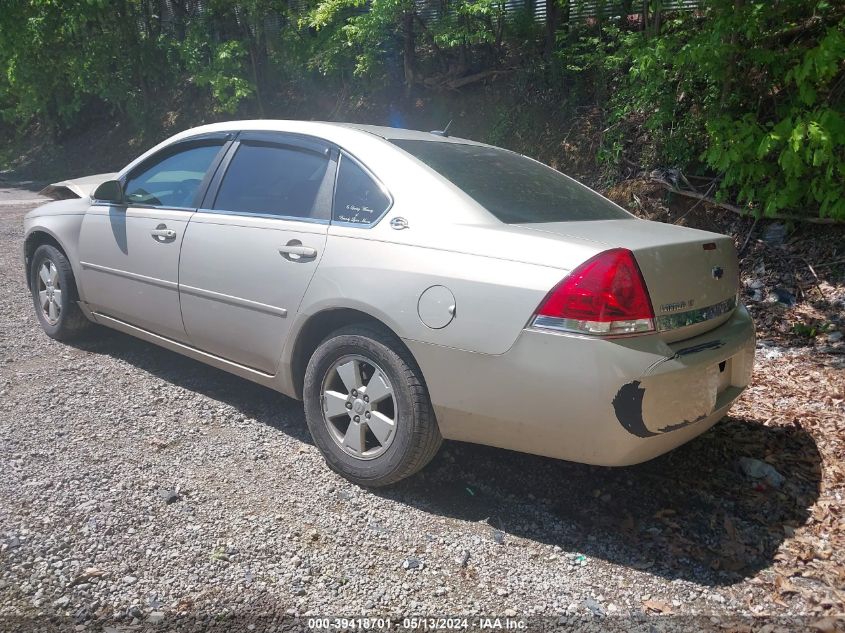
(375, 35)
(796, 157)
(38, 72)
(752, 91)
(472, 23)
(62, 60)
(219, 67)
(366, 38)
(810, 330)
(749, 90)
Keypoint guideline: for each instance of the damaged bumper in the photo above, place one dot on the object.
(606, 402)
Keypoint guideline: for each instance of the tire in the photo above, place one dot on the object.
(390, 453)
(59, 316)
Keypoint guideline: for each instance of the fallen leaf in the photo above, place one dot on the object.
(665, 512)
(185, 604)
(159, 443)
(826, 625)
(730, 528)
(784, 586)
(657, 606)
(88, 574)
(645, 564)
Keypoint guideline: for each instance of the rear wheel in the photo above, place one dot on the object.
(367, 407)
(54, 294)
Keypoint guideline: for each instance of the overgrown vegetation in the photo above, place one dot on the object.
(749, 94)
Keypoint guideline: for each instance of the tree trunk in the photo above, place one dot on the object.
(730, 70)
(409, 49)
(553, 11)
(180, 14)
(255, 46)
(127, 27)
(500, 31)
(627, 8)
(657, 20)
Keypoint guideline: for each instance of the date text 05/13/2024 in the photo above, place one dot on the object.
(416, 623)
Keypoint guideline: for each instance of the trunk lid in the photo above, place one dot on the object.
(692, 276)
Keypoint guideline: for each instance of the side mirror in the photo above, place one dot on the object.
(109, 191)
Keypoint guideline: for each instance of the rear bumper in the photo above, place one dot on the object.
(606, 402)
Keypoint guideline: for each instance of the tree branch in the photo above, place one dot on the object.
(739, 210)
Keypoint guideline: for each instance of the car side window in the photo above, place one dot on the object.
(174, 180)
(358, 198)
(273, 180)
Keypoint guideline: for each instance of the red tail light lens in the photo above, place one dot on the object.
(604, 296)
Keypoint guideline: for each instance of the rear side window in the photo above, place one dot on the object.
(174, 180)
(273, 180)
(358, 198)
(515, 189)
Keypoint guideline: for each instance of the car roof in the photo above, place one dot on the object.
(321, 129)
(369, 143)
(394, 133)
(350, 136)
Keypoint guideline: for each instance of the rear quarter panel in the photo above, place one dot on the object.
(494, 298)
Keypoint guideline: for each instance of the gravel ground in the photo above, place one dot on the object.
(138, 487)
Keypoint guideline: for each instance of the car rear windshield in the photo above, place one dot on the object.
(515, 189)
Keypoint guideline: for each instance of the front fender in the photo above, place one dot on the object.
(59, 228)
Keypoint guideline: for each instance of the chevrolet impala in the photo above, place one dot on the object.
(408, 287)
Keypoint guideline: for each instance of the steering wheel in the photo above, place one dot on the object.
(184, 192)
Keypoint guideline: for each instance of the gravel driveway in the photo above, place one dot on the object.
(141, 487)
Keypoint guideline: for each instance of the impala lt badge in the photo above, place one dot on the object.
(718, 272)
(673, 307)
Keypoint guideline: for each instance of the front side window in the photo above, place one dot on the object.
(358, 198)
(173, 181)
(515, 189)
(273, 180)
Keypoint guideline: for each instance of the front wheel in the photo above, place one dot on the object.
(367, 407)
(54, 294)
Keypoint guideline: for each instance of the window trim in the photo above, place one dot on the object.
(369, 172)
(301, 143)
(174, 148)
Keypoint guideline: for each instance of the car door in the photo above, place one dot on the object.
(129, 254)
(251, 250)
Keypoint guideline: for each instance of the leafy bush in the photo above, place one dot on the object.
(796, 157)
(219, 67)
(748, 90)
(751, 91)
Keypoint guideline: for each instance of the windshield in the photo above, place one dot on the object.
(515, 189)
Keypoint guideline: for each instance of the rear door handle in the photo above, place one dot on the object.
(296, 251)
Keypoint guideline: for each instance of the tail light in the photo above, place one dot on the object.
(604, 296)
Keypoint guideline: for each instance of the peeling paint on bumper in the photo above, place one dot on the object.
(605, 402)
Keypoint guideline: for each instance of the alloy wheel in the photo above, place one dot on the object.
(359, 407)
(49, 292)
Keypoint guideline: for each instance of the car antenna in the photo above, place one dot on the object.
(444, 131)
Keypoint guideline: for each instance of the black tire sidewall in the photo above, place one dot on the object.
(66, 282)
(385, 466)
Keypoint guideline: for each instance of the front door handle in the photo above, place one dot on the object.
(162, 234)
(294, 250)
